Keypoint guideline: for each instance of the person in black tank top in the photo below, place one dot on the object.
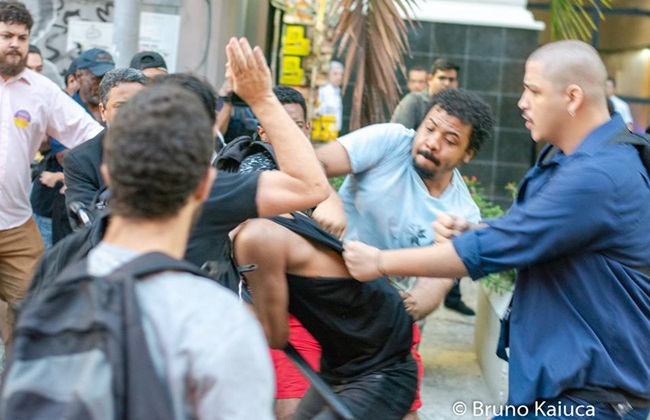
(363, 329)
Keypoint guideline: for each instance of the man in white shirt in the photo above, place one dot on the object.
(31, 106)
(620, 105)
(329, 96)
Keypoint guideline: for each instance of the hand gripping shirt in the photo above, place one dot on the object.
(580, 315)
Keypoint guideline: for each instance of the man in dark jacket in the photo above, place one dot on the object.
(81, 164)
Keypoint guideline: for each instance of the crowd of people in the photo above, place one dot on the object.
(139, 162)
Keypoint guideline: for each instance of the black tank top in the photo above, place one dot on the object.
(361, 327)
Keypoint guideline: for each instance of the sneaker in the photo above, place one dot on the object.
(461, 308)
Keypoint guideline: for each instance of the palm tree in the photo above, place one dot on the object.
(372, 36)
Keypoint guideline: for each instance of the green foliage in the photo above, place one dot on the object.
(497, 282)
(571, 19)
(336, 182)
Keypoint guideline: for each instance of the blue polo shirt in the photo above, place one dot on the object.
(581, 312)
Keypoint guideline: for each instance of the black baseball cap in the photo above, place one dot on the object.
(96, 60)
(146, 60)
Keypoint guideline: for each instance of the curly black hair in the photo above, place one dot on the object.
(289, 95)
(15, 12)
(157, 150)
(469, 108)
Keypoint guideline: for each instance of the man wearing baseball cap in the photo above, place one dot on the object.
(150, 63)
(92, 64)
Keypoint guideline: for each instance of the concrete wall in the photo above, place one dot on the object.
(206, 26)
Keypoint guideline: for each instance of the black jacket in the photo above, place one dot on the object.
(83, 179)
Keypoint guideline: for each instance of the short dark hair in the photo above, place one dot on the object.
(157, 151)
(33, 49)
(611, 79)
(15, 12)
(417, 68)
(289, 95)
(196, 84)
(114, 77)
(444, 65)
(469, 108)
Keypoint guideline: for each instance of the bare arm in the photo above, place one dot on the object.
(335, 159)
(426, 296)
(268, 283)
(330, 215)
(367, 263)
(302, 181)
(223, 118)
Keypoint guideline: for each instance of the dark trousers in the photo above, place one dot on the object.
(453, 296)
(384, 394)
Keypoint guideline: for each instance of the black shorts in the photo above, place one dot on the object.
(384, 394)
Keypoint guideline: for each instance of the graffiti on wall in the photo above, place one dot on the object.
(52, 20)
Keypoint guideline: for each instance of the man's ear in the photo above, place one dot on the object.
(107, 177)
(102, 112)
(469, 155)
(574, 97)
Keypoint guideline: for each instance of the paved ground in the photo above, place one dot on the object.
(452, 375)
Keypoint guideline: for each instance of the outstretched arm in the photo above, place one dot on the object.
(301, 183)
(367, 263)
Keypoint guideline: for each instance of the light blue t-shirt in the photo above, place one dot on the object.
(386, 202)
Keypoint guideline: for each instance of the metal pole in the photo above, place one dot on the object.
(126, 30)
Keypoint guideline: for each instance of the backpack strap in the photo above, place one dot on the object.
(147, 396)
(642, 144)
(156, 262)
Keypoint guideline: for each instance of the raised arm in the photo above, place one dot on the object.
(301, 183)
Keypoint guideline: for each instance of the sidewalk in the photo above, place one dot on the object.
(452, 374)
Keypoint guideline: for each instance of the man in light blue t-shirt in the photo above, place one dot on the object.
(399, 180)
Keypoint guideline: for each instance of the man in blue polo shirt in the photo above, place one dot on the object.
(578, 234)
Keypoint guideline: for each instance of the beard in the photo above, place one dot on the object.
(90, 95)
(424, 172)
(12, 69)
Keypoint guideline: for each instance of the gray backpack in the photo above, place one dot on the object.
(79, 349)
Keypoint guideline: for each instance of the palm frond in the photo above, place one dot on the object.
(372, 36)
(572, 19)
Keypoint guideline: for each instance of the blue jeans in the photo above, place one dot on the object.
(44, 225)
(571, 408)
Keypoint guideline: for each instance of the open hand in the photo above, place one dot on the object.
(247, 71)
